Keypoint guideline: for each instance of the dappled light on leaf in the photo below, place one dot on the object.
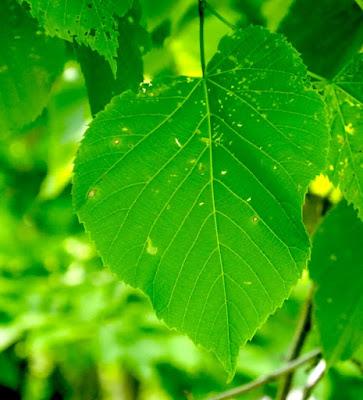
(180, 205)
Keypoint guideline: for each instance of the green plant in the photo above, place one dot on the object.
(192, 187)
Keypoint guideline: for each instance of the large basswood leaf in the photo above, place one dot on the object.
(29, 64)
(336, 267)
(89, 22)
(192, 189)
(345, 97)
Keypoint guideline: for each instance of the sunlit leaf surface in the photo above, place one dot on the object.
(192, 189)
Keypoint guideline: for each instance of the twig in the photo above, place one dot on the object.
(316, 76)
(358, 364)
(291, 366)
(302, 331)
(313, 379)
(201, 9)
(213, 11)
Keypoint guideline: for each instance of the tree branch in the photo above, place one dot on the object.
(302, 331)
(213, 11)
(289, 367)
(313, 379)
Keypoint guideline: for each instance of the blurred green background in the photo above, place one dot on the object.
(68, 329)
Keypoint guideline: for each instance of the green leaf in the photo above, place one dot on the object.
(29, 63)
(334, 33)
(101, 84)
(336, 267)
(192, 189)
(345, 97)
(89, 22)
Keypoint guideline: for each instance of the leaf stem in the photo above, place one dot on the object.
(289, 367)
(213, 11)
(316, 76)
(301, 333)
(201, 8)
(314, 378)
(358, 364)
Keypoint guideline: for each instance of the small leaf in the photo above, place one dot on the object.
(345, 97)
(334, 33)
(192, 189)
(101, 83)
(29, 63)
(89, 22)
(336, 267)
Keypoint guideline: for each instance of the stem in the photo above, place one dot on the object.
(316, 76)
(213, 11)
(201, 8)
(358, 364)
(302, 331)
(314, 378)
(289, 367)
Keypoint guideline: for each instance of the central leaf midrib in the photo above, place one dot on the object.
(211, 174)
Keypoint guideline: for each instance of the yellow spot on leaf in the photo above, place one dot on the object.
(349, 129)
(91, 193)
(321, 186)
(335, 196)
(205, 140)
(150, 248)
(178, 143)
(340, 139)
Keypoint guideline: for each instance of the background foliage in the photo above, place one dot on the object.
(68, 328)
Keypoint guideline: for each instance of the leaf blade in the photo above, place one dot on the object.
(30, 62)
(92, 23)
(193, 230)
(336, 261)
(101, 83)
(345, 95)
